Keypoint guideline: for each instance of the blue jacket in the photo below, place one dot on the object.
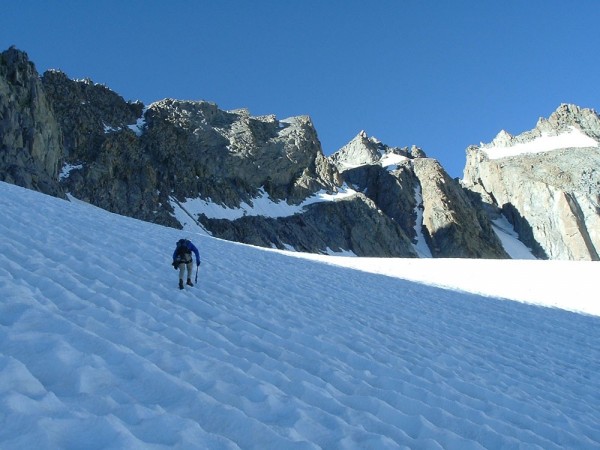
(192, 248)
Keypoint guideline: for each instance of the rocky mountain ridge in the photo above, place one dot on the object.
(190, 164)
(546, 182)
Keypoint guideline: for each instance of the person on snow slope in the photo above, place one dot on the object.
(182, 260)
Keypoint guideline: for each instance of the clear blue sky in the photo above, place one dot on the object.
(438, 74)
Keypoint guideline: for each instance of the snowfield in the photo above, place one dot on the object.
(502, 147)
(275, 350)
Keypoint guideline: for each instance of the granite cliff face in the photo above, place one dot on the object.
(138, 161)
(229, 156)
(546, 182)
(30, 138)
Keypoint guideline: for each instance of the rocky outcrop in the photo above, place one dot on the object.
(351, 225)
(228, 156)
(454, 225)
(364, 150)
(87, 113)
(105, 159)
(546, 182)
(134, 160)
(420, 197)
(393, 191)
(138, 161)
(30, 138)
(360, 151)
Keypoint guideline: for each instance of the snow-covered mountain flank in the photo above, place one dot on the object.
(266, 182)
(271, 350)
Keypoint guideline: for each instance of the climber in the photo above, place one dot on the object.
(182, 260)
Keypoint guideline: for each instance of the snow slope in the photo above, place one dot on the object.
(99, 349)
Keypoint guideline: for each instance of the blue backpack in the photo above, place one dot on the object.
(183, 250)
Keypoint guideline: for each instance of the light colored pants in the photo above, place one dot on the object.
(183, 266)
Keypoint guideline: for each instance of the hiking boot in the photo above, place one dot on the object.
(189, 282)
(180, 284)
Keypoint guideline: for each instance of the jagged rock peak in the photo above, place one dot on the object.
(502, 139)
(365, 150)
(568, 116)
(16, 67)
(30, 138)
(417, 152)
(360, 151)
(569, 127)
(84, 91)
(188, 113)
